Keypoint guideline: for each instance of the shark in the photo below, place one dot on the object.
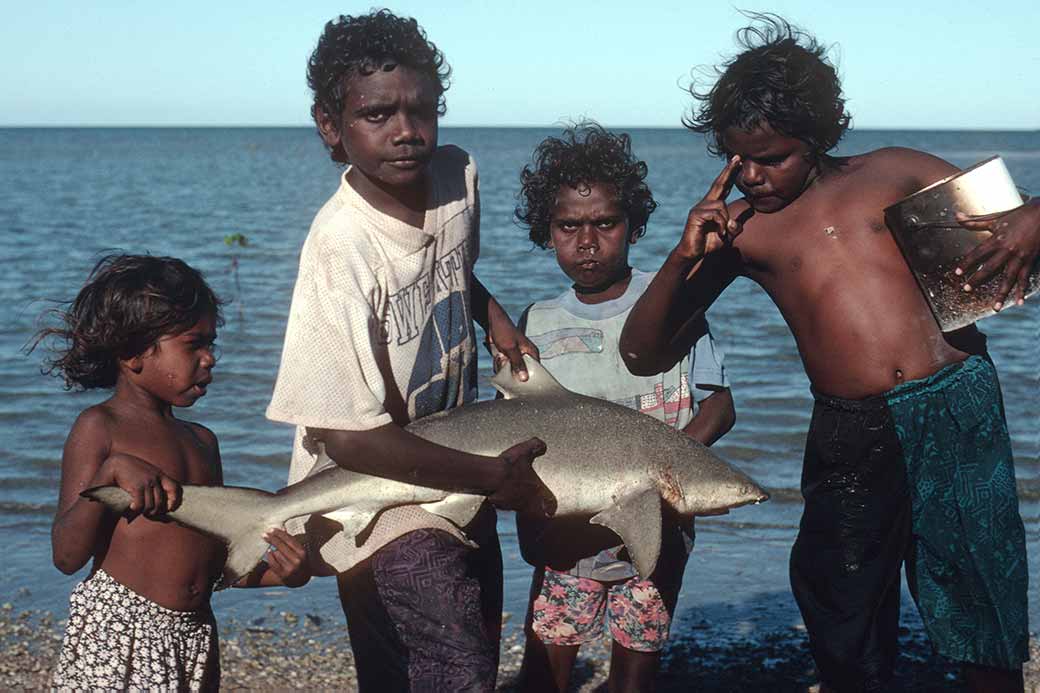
(613, 465)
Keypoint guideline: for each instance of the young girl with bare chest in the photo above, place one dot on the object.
(145, 327)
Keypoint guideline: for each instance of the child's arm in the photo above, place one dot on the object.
(284, 564)
(86, 462)
(502, 335)
(715, 416)
(391, 452)
(657, 332)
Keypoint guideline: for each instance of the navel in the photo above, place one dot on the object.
(899, 375)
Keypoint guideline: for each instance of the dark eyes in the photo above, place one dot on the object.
(377, 116)
(602, 224)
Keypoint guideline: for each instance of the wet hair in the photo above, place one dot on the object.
(361, 45)
(782, 78)
(128, 303)
(584, 155)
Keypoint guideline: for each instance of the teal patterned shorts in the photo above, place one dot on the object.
(923, 476)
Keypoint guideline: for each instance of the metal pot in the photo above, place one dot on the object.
(926, 229)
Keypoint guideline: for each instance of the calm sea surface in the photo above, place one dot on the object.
(68, 196)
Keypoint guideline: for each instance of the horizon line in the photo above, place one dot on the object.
(217, 126)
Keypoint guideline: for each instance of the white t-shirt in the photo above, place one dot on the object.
(578, 343)
(380, 331)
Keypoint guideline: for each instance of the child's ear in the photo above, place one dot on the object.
(328, 127)
(134, 364)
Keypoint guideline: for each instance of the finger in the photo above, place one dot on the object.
(276, 562)
(723, 183)
(720, 220)
(974, 258)
(531, 349)
(137, 499)
(536, 447)
(1021, 284)
(284, 542)
(986, 271)
(498, 359)
(173, 493)
(972, 223)
(516, 362)
(149, 497)
(159, 493)
(1011, 273)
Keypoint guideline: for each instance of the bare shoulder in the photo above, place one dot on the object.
(202, 434)
(912, 168)
(93, 427)
(204, 466)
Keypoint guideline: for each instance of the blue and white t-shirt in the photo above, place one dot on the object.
(578, 343)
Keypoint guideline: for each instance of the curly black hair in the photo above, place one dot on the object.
(127, 304)
(351, 46)
(782, 78)
(585, 154)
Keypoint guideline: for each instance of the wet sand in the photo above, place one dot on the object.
(287, 651)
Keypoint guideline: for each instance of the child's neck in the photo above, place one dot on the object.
(127, 396)
(407, 204)
(609, 291)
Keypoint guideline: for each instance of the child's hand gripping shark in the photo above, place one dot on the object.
(604, 462)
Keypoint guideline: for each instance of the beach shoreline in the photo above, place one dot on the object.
(288, 650)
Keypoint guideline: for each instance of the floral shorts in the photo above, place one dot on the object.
(118, 640)
(570, 610)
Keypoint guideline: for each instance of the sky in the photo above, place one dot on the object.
(922, 64)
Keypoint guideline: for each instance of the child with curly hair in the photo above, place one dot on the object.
(380, 334)
(908, 458)
(586, 198)
(144, 327)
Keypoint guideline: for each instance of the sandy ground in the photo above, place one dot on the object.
(254, 657)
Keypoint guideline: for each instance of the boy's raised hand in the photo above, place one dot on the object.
(507, 344)
(151, 491)
(1014, 246)
(708, 225)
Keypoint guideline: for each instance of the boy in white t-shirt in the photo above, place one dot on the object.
(380, 334)
(586, 198)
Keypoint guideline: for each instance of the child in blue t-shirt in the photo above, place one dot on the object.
(585, 197)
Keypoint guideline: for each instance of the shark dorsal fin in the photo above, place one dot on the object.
(539, 381)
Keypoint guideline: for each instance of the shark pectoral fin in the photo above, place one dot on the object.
(539, 381)
(112, 497)
(636, 518)
(460, 508)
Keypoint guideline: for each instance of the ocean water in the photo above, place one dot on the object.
(67, 196)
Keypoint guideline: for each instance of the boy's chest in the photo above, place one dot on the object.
(174, 449)
(843, 235)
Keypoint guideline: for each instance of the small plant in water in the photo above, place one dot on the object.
(233, 241)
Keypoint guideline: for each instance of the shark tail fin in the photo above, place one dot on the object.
(237, 516)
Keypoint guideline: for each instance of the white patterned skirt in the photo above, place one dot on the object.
(118, 640)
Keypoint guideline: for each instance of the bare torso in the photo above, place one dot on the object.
(833, 268)
(169, 564)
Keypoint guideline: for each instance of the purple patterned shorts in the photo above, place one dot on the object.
(424, 614)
